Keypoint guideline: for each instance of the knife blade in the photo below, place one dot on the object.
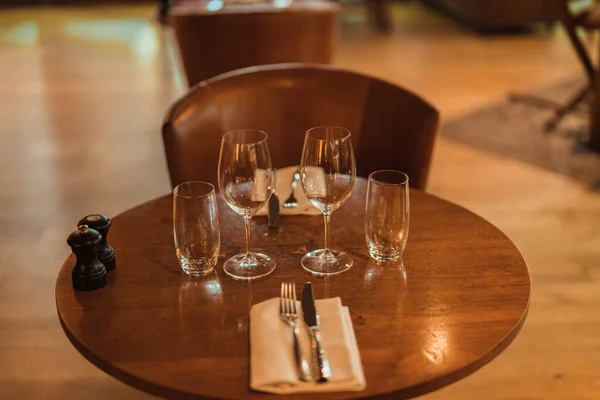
(311, 318)
(273, 215)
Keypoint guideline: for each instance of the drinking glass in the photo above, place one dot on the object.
(328, 172)
(387, 215)
(246, 180)
(196, 227)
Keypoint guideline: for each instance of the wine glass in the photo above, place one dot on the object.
(328, 172)
(246, 181)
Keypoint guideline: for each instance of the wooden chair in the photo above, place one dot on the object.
(239, 36)
(589, 20)
(392, 128)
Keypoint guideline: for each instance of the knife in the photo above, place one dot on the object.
(273, 216)
(311, 318)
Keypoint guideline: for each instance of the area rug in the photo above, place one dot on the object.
(515, 129)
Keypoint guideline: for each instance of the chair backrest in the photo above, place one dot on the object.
(211, 43)
(391, 127)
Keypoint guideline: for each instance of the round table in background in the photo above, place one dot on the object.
(457, 301)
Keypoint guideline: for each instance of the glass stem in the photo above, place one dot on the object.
(327, 217)
(248, 226)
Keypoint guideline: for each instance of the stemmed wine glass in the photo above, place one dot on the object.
(246, 181)
(328, 172)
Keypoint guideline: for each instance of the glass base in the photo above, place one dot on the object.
(190, 272)
(256, 266)
(383, 259)
(319, 263)
(385, 253)
(197, 266)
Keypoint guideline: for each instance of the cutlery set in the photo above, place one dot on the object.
(290, 202)
(318, 370)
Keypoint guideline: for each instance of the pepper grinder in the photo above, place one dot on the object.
(89, 273)
(101, 223)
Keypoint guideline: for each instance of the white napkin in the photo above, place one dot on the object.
(272, 363)
(283, 188)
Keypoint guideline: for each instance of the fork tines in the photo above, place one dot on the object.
(287, 305)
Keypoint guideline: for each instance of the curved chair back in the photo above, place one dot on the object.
(391, 127)
(211, 43)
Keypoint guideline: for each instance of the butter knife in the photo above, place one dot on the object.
(311, 318)
(273, 211)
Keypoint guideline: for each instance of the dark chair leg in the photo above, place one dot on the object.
(380, 14)
(570, 28)
(559, 113)
(534, 100)
(163, 10)
(579, 48)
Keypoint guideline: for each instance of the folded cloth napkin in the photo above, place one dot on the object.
(283, 187)
(272, 363)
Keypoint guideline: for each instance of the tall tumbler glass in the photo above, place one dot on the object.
(387, 215)
(247, 181)
(196, 227)
(328, 172)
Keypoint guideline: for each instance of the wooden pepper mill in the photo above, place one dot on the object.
(89, 273)
(101, 224)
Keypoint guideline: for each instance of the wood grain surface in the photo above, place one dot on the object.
(457, 301)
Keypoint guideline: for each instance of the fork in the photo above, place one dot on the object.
(291, 201)
(289, 314)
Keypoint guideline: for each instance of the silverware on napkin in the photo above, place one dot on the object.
(289, 314)
(291, 201)
(311, 318)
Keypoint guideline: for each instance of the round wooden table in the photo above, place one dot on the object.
(457, 301)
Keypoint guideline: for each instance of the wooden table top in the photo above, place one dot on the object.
(459, 299)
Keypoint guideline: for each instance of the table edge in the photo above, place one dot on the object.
(117, 373)
(441, 382)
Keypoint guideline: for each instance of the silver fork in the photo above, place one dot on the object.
(289, 314)
(291, 201)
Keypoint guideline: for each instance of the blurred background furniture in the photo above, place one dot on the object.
(162, 12)
(488, 15)
(392, 128)
(588, 20)
(379, 14)
(212, 41)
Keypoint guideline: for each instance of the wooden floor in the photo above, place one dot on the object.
(83, 92)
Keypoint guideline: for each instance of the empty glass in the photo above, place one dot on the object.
(387, 215)
(196, 227)
(246, 180)
(328, 172)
